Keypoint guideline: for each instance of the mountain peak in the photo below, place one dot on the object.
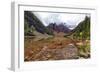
(58, 27)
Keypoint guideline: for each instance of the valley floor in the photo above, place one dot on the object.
(55, 48)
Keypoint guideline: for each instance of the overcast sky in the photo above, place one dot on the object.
(69, 19)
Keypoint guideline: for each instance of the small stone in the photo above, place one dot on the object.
(48, 56)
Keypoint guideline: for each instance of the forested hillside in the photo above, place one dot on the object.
(32, 23)
(82, 31)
